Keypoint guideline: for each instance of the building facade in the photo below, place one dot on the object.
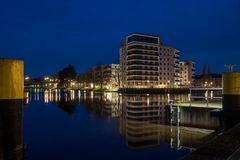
(187, 73)
(146, 63)
(105, 76)
(110, 76)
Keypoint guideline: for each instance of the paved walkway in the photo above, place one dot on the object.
(223, 147)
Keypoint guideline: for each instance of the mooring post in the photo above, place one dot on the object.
(231, 91)
(11, 79)
(11, 102)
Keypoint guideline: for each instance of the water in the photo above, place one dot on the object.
(85, 125)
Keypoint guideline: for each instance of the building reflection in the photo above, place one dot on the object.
(139, 121)
(102, 104)
(112, 104)
(11, 131)
(145, 122)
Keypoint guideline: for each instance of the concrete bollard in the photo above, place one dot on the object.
(231, 91)
(11, 79)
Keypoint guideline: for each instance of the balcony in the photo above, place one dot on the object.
(142, 69)
(135, 58)
(142, 79)
(143, 74)
(150, 48)
(142, 53)
(141, 63)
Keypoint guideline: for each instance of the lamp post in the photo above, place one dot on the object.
(230, 66)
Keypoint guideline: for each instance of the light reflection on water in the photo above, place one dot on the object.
(145, 119)
(144, 125)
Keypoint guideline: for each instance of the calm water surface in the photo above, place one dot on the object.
(85, 125)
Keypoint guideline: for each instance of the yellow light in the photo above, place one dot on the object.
(91, 85)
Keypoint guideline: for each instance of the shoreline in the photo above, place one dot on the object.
(130, 90)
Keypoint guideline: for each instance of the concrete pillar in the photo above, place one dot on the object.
(11, 79)
(231, 91)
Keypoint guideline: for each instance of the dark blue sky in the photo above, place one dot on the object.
(49, 34)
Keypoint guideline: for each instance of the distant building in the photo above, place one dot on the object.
(110, 76)
(187, 73)
(208, 80)
(146, 63)
(105, 76)
(42, 82)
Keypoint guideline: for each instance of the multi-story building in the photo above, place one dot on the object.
(187, 73)
(107, 76)
(146, 63)
(112, 71)
(168, 66)
(104, 76)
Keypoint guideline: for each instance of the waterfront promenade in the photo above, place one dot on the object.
(224, 147)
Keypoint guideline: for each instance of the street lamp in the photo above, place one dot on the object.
(27, 78)
(230, 66)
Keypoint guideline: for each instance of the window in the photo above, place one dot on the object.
(139, 38)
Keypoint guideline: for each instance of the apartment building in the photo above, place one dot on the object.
(146, 63)
(105, 76)
(187, 73)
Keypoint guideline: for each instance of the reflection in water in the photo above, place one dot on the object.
(102, 104)
(11, 134)
(144, 123)
(140, 116)
(68, 106)
(144, 120)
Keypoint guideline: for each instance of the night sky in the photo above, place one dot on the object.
(50, 34)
